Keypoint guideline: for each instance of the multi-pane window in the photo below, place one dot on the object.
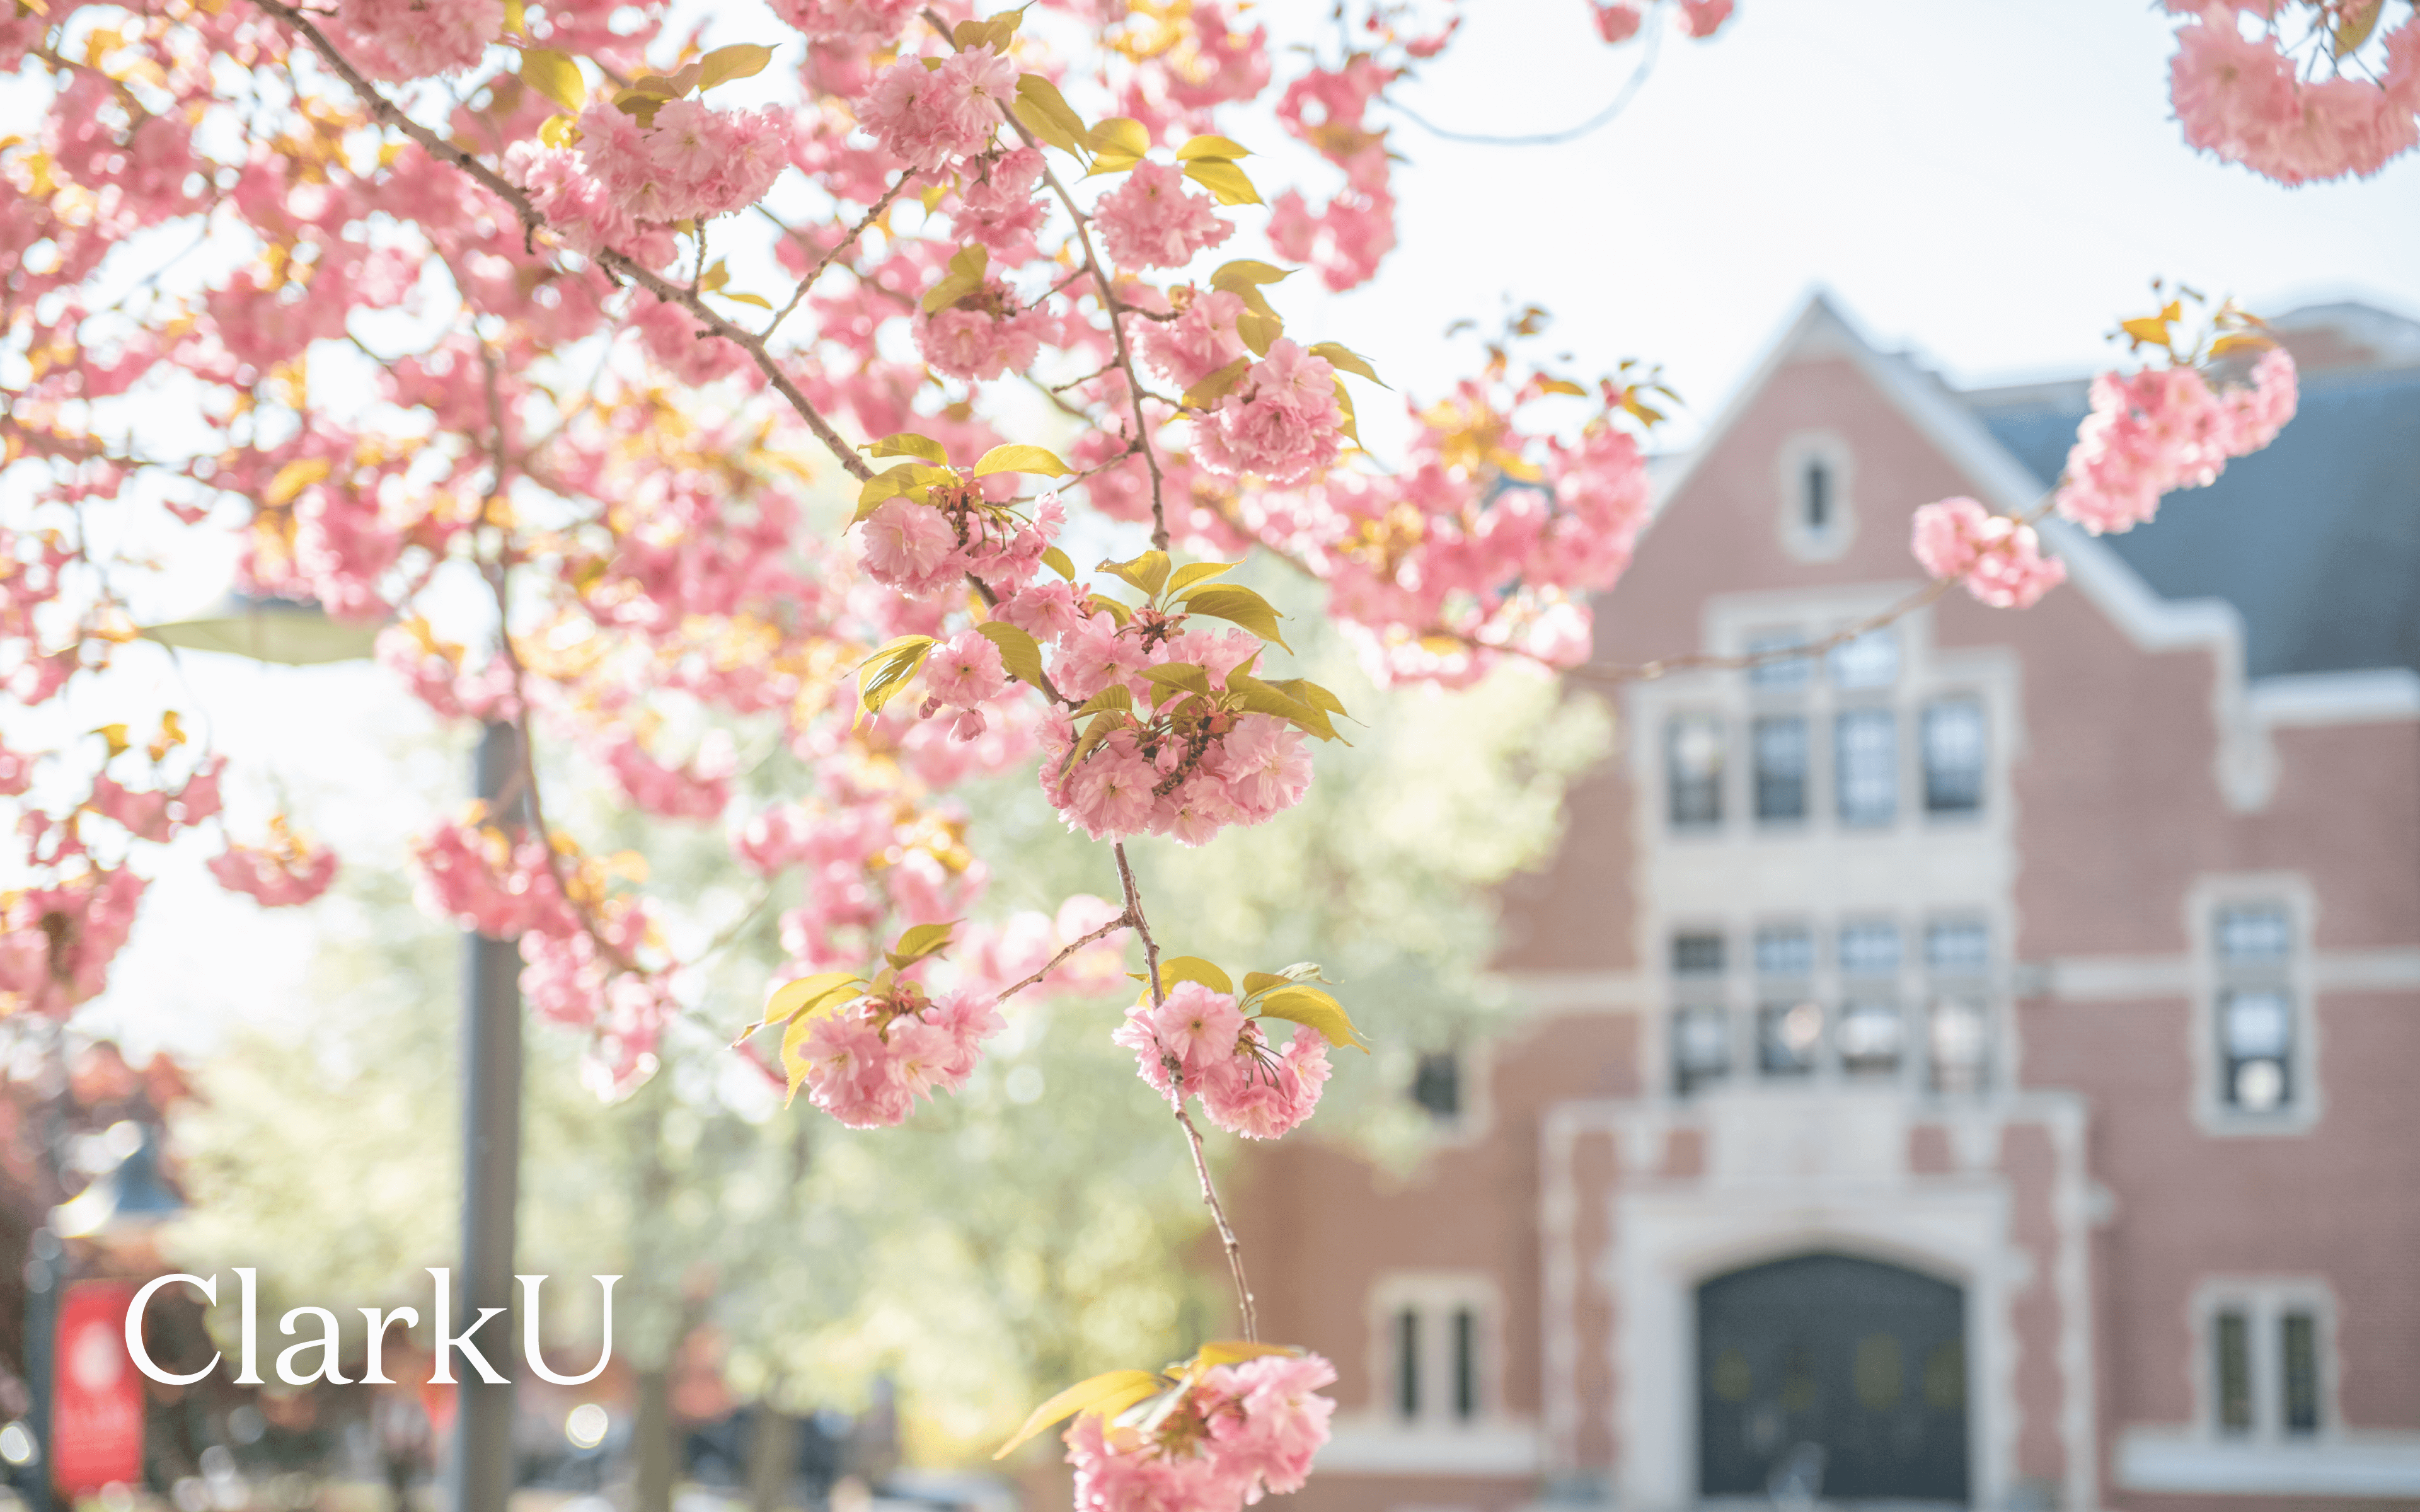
(1701, 1027)
(1866, 765)
(1781, 673)
(1693, 753)
(1779, 743)
(1436, 1340)
(1957, 946)
(1870, 950)
(1789, 1037)
(1870, 660)
(1952, 736)
(2254, 1007)
(2266, 1368)
(1787, 951)
(1958, 956)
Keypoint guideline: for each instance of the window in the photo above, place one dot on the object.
(1788, 1038)
(2255, 1008)
(1694, 753)
(1701, 1047)
(1868, 1038)
(1786, 673)
(1953, 757)
(1870, 660)
(1433, 1344)
(1781, 747)
(1815, 502)
(1867, 766)
(1958, 948)
(1785, 952)
(1869, 950)
(1959, 1044)
(2267, 1344)
(1696, 955)
(1437, 1084)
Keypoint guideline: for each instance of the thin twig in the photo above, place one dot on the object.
(825, 260)
(1653, 24)
(1122, 921)
(1227, 1240)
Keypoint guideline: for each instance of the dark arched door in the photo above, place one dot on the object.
(1832, 1377)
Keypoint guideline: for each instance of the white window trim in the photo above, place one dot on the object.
(2304, 1105)
(2264, 1301)
(1474, 1078)
(1435, 1295)
(1790, 461)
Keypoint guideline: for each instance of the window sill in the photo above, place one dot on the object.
(2167, 1461)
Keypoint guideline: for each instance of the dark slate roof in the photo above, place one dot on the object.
(2315, 539)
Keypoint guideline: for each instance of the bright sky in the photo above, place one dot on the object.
(1992, 183)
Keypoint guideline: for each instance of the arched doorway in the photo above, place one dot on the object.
(1830, 1375)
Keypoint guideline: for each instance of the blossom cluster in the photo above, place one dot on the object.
(1239, 1433)
(1199, 1043)
(867, 1062)
(288, 870)
(1998, 559)
(2164, 428)
(2243, 98)
(932, 117)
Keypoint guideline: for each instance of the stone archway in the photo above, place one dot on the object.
(1834, 1377)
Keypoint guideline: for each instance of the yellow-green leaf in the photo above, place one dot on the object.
(1259, 330)
(1348, 424)
(1244, 273)
(559, 132)
(2355, 24)
(1261, 981)
(1059, 561)
(1344, 358)
(1046, 113)
(1237, 604)
(1178, 968)
(806, 994)
(1225, 181)
(918, 942)
(1120, 137)
(1315, 1010)
(555, 76)
(880, 676)
(1235, 1351)
(1130, 1386)
(907, 443)
(1195, 572)
(516, 18)
(1183, 675)
(1115, 696)
(1214, 388)
(1019, 459)
(737, 61)
(1018, 651)
(1314, 702)
(292, 479)
(1211, 146)
(907, 482)
(1148, 572)
(1556, 385)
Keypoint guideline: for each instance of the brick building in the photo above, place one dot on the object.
(1970, 1067)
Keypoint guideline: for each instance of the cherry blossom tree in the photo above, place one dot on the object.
(667, 431)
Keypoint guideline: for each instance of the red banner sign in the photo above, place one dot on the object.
(97, 1411)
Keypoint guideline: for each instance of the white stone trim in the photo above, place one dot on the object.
(1791, 459)
(1362, 1445)
(2384, 695)
(2305, 1102)
(2154, 1459)
(1435, 1296)
(2133, 978)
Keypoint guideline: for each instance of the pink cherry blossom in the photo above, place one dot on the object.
(965, 670)
(289, 872)
(1998, 559)
(931, 118)
(1152, 220)
(907, 544)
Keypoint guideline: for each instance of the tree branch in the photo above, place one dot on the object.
(1122, 921)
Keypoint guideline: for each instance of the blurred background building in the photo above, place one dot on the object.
(1970, 1066)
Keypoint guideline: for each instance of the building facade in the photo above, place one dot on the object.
(1969, 1066)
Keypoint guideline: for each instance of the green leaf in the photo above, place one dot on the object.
(1260, 330)
(1097, 604)
(968, 268)
(1148, 572)
(918, 942)
(1225, 181)
(1178, 968)
(804, 994)
(1257, 982)
(757, 300)
(1059, 561)
(794, 1064)
(880, 676)
(1351, 426)
(1315, 719)
(1237, 605)
(1256, 697)
(1046, 113)
(1183, 675)
(1123, 1387)
(907, 482)
(1115, 696)
(1235, 1351)
(1211, 146)
(737, 61)
(1017, 459)
(1120, 136)
(1315, 695)
(1346, 359)
(1214, 388)
(1018, 651)
(907, 443)
(1309, 1006)
(1194, 572)
(555, 76)
(992, 31)
(1244, 273)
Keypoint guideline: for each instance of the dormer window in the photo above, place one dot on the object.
(1817, 485)
(1815, 498)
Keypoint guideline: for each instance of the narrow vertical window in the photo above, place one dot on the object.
(1815, 499)
(1407, 1362)
(1953, 757)
(1866, 764)
(1437, 1084)
(1465, 1364)
(1694, 755)
(2299, 1357)
(2231, 1350)
(2255, 1008)
(1700, 1028)
(1781, 747)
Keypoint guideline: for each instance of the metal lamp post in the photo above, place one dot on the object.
(481, 1474)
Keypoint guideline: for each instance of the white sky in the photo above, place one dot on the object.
(1991, 183)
